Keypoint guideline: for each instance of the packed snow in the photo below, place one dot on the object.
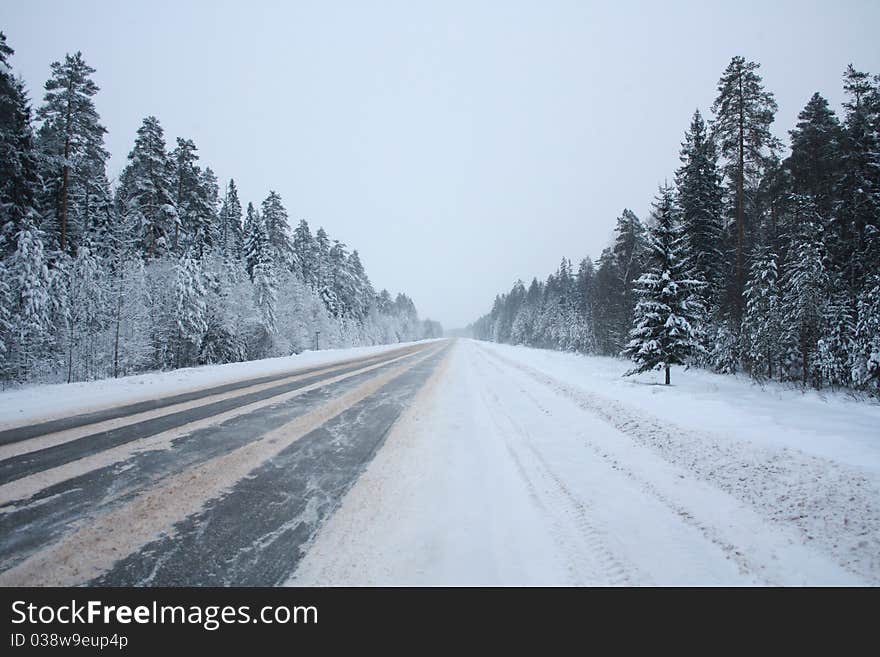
(522, 466)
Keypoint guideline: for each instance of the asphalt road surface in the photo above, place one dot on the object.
(219, 486)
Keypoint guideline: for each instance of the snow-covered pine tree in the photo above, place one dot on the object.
(619, 266)
(224, 339)
(71, 144)
(264, 277)
(19, 178)
(814, 162)
(859, 186)
(585, 283)
(866, 341)
(145, 194)
(195, 199)
(761, 325)
(700, 195)
(362, 290)
(304, 249)
(190, 308)
(833, 350)
(666, 328)
(278, 231)
(321, 262)
(86, 314)
(230, 237)
(30, 285)
(254, 233)
(744, 111)
(804, 285)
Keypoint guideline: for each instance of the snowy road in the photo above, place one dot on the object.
(221, 486)
(448, 463)
(501, 474)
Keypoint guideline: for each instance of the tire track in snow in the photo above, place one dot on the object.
(838, 516)
(583, 544)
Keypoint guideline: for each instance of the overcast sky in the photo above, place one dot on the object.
(457, 145)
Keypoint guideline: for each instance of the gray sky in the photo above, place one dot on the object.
(457, 145)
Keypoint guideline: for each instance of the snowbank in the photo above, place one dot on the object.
(43, 402)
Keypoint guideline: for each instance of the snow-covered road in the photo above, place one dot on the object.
(515, 466)
(448, 462)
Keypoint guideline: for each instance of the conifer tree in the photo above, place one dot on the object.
(190, 308)
(254, 238)
(698, 182)
(666, 329)
(805, 286)
(19, 178)
(761, 325)
(145, 193)
(859, 188)
(278, 231)
(305, 252)
(231, 241)
(744, 111)
(866, 341)
(71, 142)
(30, 284)
(264, 275)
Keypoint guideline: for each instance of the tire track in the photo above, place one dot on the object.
(580, 539)
(819, 516)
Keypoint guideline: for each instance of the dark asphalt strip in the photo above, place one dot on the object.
(30, 524)
(23, 465)
(18, 434)
(256, 534)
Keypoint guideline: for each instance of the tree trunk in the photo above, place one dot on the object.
(667, 375)
(65, 172)
(116, 337)
(70, 354)
(804, 361)
(740, 203)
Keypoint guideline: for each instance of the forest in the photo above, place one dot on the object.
(758, 259)
(162, 268)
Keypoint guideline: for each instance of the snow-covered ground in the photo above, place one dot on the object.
(522, 466)
(41, 402)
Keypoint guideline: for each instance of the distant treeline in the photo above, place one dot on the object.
(751, 262)
(162, 270)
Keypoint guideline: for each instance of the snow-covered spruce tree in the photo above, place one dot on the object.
(145, 195)
(619, 265)
(19, 178)
(71, 145)
(833, 350)
(743, 111)
(185, 183)
(86, 315)
(859, 186)
(761, 322)
(804, 297)
(250, 242)
(189, 310)
(277, 231)
(814, 162)
(230, 234)
(304, 249)
(866, 342)
(31, 319)
(700, 195)
(262, 254)
(225, 311)
(666, 329)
